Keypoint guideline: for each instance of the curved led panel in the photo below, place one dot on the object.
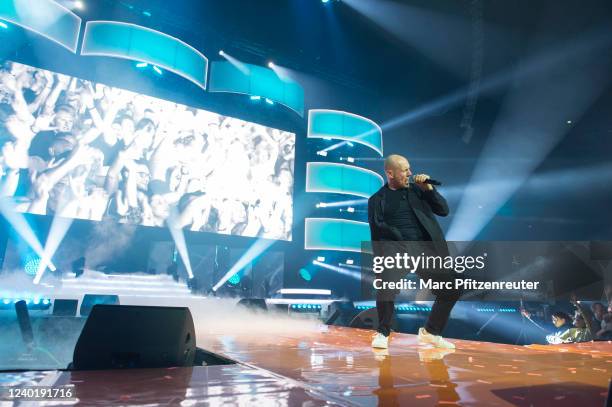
(129, 41)
(46, 17)
(341, 179)
(335, 234)
(324, 123)
(256, 81)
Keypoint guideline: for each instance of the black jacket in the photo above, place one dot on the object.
(424, 203)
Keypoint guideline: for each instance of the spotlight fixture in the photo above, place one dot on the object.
(350, 261)
(269, 101)
(350, 209)
(221, 52)
(255, 97)
(271, 65)
(321, 258)
(350, 159)
(322, 153)
(157, 70)
(142, 65)
(79, 5)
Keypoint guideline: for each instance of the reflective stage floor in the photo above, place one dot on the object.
(341, 363)
(336, 366)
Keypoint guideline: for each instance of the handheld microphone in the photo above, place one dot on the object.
(428, 181)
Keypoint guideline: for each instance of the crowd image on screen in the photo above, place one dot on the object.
(79, 149)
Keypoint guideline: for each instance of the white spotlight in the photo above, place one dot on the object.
(79, 5)
(321, 258)
(271, 65)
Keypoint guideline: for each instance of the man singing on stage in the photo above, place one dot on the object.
(404, 211)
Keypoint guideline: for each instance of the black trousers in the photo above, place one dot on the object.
(440, 311)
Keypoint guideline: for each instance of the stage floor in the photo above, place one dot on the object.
(339, 362)
(336, 366)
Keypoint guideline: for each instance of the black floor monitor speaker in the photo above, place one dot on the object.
(130, 336)
(89, 300)
(340, 313)
(65, 308)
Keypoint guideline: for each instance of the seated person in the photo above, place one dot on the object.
(578, 333)
(605, 333)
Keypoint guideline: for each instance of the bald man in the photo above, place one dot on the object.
(405, 211)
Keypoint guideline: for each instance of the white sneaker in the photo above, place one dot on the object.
(435, 340)
(380, 341)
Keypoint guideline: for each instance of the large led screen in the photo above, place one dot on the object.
(84, 150)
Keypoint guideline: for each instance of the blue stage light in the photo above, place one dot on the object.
(36, 301)
(305, 274)
(142, 65)
(6, 301)
(157, 70)
(269, 101)
(31, 266)
(324, 1)
(3, 25)
(147, 13)
(235, 279)
(255, 97)
(46, 302)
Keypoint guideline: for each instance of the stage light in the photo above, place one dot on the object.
(57, 231)
(31, 266)
(322, 153)
(350, 273)
(157, 70)
(146, 13)
(79, 5)
(271, 65)
(350, 144)
(241, 66)
(350, 159)
(324, 1)
(255, 97)
(235, 279)
(142, 65)
(269, 101)
(21, 226)
(350, 202)
(253, 252)
(350, 209)
(181, 246)
(305, 274)
(36, 301)
(3, 25)
(569, 122)
(46, 302)
(6, 301)
(350, 261)
(321, 258)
